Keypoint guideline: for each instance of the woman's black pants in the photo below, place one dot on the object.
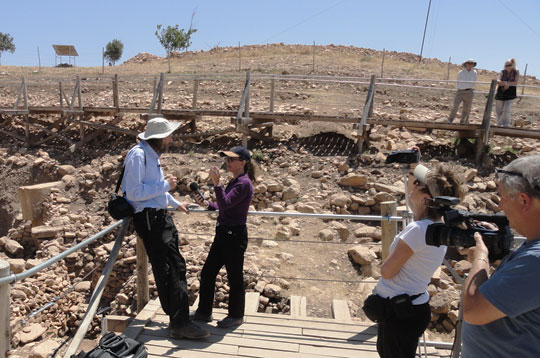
(398, 338)
(160, 237)
(228, 249)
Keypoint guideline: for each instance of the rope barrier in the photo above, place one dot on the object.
(309, 279)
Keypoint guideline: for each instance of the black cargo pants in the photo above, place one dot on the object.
(160, 237)
(228, 249)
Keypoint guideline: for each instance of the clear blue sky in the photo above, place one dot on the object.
(489, 31)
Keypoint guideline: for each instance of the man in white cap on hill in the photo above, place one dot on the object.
(147, 190)
(466, 80)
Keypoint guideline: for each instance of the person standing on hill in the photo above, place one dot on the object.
(466, 81)
(147, 190)
(506, 92)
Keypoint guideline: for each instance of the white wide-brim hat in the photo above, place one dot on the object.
(158, 128)
(470, 60)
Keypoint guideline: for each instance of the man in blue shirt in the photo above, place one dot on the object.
(147, 190)
(502, 312)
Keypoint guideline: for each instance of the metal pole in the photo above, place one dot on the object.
(39, 59)
(102, 60)
(5, 335)
(309, 215)
(98, 291)
(425, 28)
(239, 58)
(21, 276)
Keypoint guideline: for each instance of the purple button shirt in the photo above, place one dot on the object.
(233, 202)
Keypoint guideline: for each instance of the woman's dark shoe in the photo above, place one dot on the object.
(196, 316)
(229, 322)
(188, 330)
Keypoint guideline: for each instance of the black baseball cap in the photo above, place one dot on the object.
(237, 152)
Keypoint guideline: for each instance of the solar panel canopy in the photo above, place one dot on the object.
(65, 50)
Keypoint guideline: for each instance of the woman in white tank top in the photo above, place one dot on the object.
(411, 262)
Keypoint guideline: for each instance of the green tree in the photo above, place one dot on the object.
(174, 39)
(6, 44)
(113, 51)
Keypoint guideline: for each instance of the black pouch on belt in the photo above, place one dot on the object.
(402, 305)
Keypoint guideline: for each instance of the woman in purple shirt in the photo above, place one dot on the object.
(230, 241)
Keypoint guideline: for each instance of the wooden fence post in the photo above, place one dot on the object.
(448, 70)
(388, 228)
(239, 58)
(5, 336)
(382, 64)
(313, 66)
(368, 111)
(116, 99)
(142, 276)
(483, 139)
(61, 96)
(195, 90)
(272, 93)
(246, 106)
(160, 98)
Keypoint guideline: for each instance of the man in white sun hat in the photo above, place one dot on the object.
(147, 190)
(466, 80)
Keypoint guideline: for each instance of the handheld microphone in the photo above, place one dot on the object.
(194, 187)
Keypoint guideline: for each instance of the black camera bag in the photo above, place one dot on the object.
(113, 346)
(376, 308)
(118, 207)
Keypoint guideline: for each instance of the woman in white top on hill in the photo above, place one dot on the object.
(411, 263)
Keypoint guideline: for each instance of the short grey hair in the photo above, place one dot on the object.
(522, 175)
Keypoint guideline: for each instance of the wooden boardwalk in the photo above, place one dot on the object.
(262, 335)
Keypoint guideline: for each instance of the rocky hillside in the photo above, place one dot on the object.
(307, 168)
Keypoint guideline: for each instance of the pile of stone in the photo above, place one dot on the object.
(143, 57)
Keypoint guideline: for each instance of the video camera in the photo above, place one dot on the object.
(403, 156)
(451, 234)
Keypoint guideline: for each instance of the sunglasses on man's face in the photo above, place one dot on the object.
(507, 65)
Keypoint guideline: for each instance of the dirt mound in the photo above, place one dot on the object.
(143, 57)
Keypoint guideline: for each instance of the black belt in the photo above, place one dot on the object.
(230, 226)
(155, 211)
(466, 89)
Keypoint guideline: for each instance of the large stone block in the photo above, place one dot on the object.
(32, 196)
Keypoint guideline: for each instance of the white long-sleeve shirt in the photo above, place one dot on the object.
(466, 79)
(144, 184)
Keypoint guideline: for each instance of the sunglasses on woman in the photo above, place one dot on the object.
(231, 159)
